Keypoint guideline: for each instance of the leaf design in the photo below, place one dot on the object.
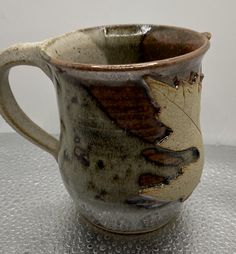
(170, 158)
(132, 109)
(180, 110)
(185, 97)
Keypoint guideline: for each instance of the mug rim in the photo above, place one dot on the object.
(131, 66)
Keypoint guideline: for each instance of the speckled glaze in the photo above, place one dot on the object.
(130, 148)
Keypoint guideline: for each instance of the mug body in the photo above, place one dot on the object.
(129, 99)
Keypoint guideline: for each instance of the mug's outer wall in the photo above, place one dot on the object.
(133, 144)
(122, 138)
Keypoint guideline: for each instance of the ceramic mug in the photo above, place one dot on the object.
(130, 148)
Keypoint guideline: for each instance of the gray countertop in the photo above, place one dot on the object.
(38, 216)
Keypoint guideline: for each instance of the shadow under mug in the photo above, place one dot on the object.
(130, 148)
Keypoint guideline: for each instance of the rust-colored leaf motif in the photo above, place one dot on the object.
(166, 157)
(148, 180)
(133, 110)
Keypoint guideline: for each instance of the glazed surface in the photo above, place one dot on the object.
(120, 140)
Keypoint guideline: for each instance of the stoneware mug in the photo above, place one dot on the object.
(130, 149)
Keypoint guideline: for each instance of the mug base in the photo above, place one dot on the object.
(131, 221)
(139, 232)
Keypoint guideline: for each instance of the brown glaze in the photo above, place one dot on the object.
(131, 107)
(150, 180)
(166, 157)
(162, 43)
(161, 158)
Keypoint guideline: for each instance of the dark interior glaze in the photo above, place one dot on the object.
(162, 43)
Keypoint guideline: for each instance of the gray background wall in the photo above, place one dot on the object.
(31, 20)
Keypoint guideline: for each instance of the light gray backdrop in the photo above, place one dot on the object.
(31, 20)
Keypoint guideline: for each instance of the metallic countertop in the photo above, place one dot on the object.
(38, 216)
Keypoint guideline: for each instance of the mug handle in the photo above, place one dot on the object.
(23, 54)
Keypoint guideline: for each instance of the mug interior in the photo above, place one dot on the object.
(124, 44)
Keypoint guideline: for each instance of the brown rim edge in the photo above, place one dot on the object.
(126, 67)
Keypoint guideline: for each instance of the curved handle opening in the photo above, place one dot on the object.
(23, 54)
(37, 99)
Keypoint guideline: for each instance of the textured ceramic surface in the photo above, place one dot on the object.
(37, 216)
(130, 147)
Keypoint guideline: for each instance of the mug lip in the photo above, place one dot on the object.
(206, 36)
